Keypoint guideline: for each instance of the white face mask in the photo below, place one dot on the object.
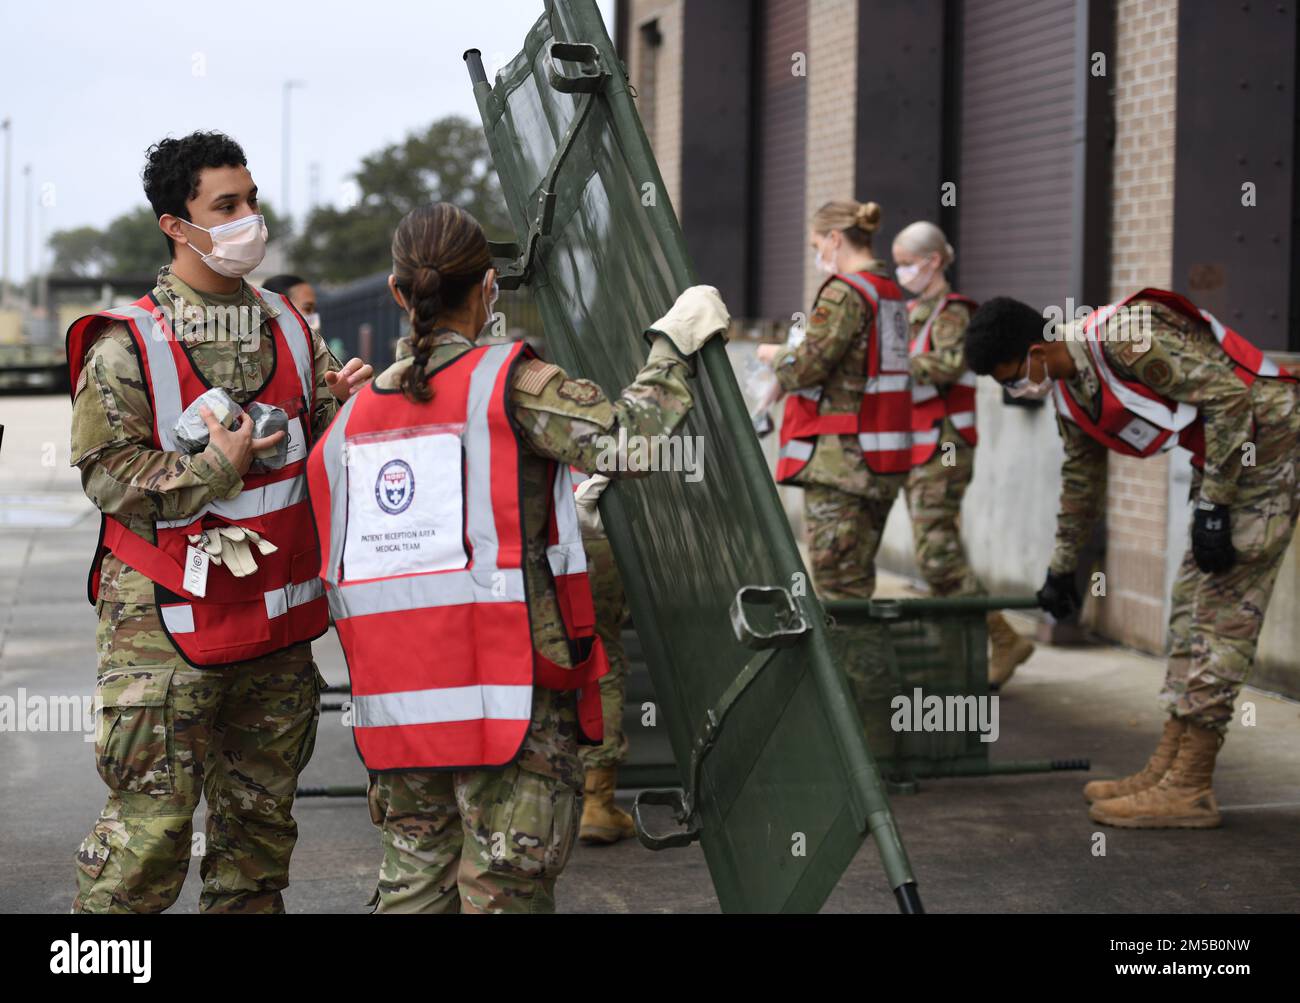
(1026, 388)
(313, 322)
(826, 265)
(237, 247)
(915, 278)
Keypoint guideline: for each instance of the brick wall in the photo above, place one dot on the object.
(832, 94)
(1144, 70)
(665, 130)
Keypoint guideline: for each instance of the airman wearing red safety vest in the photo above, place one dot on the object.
(943, 432)
(846, 427)
(203, 578)
(1138, 377)
(453, 565)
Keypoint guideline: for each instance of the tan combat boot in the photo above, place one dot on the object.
(1157, 766)
(1182, 799)
(1009, 649)
(602, 820)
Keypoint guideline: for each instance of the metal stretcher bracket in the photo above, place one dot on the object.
(591, 79)
(765, 616)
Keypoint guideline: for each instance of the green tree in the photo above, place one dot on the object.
(448, 162)
(79, 251)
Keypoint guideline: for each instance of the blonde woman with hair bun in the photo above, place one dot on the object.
(846, 425)
(943, 430)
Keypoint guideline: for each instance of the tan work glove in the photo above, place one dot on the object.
(697, 316)
(586, 497)
(237, 549)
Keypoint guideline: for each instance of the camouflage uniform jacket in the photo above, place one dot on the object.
(833, 356)
(112, 420)
(945, 362)
(1183, 362)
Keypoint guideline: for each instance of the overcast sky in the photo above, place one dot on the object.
(89, 85)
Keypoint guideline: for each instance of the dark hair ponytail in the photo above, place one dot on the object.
(440, 255)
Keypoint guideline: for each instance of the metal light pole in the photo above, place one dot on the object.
(27, 230)
(313, 190)
(4, 268)
(289, 85)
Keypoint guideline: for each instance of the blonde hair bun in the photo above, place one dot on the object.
(867, 216)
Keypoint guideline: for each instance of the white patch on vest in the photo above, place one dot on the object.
(297, 442)
(1138, 433)
(405, 506)
(891, 328)
(196, 572)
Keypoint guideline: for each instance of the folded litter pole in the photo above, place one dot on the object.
(780, 786)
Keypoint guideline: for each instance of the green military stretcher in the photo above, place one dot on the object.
(779, 784)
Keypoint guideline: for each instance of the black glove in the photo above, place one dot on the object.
(1059, 595)
(1212, 538)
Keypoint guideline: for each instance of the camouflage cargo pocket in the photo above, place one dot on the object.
(92, 855)
(133, 747)
(534, 825)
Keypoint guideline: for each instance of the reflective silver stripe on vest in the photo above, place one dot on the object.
(438, 706)
(796, 449)
(484, 582)
(164, 381)
(884, 442)
(889, 384)
(926, 438)
(336, 478)
(811, 393)
(566, 556)
(446, 588)
(862, 285)
(480, 523)
(922, 392)
(178, 619)
(299, 342)
(249, 503)
(962, 419)
(280, 601)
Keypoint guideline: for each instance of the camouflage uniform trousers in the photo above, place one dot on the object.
(611, 611)
(480, 841)
(844, 532)
(934, 492)
(241, 735)
(1215, 620)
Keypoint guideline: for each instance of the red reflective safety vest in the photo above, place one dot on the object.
(282, 602)
(883, 423)
(931, 404)
(1136, 420)
(419, 509)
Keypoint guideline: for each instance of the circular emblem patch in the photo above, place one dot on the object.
(395, 487)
